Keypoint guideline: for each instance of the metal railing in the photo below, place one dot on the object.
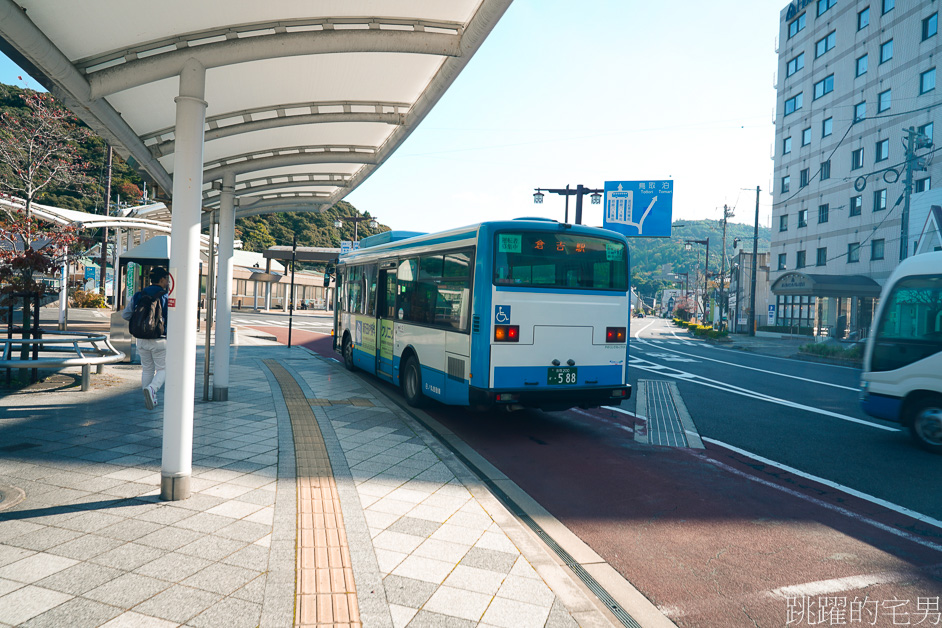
(63, 349)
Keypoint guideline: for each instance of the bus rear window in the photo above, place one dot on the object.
(560, 260)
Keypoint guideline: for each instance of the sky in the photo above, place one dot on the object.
(582, 93)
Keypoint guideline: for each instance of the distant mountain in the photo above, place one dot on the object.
(650, 255)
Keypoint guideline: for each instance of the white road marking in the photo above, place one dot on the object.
(595, 417)
(671, 358)
(835, 485)
(837, 585)
(670, 371)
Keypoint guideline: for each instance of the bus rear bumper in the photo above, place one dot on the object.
(550, 399)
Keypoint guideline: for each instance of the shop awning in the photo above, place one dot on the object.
(805, 284)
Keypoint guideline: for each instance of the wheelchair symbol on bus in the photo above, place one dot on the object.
(501, 314)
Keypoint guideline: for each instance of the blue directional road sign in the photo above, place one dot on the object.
(639, 208)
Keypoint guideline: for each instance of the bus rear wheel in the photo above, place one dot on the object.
(926, 426)
(347, 351)
(412, 383)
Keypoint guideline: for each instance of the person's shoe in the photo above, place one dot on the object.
(150, 398)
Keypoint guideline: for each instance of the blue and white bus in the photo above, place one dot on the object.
(517, 313)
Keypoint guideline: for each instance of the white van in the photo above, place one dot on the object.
(902, 369)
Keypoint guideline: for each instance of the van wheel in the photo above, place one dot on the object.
(926, 425)
(411, 377)
(347, 351)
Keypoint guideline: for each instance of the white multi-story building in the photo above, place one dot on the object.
(853, 78)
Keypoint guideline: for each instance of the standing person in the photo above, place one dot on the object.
(147, 313)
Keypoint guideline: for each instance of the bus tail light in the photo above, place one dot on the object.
(615, 334)
(506, 333)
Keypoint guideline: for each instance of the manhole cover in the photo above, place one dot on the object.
(10, 496)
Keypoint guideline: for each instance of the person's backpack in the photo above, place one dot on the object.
(147, 318)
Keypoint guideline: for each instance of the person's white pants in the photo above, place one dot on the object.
(153, 362)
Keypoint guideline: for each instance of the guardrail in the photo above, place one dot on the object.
(63, 349)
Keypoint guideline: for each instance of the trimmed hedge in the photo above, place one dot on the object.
(829, 350)
(701, 331)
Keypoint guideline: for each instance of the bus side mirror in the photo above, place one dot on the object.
(328, 272)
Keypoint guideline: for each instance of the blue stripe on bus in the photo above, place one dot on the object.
(560, 291)
(534, 377)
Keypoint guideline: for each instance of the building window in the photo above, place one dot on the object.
(786, 180)
(781, 261)
(876, 249)
(922, 185)
(853, 252)
(927, 81)
(884, 100)
(793, 104)
(806, 136)
(888, 5)
(802, 217)
(794, 65)
(882, 151)
(863, 19)
(825, 43)
(823, 211)
(825, 170)
(797, 25)
(856, 205)
(879, 200)
(930, 26)
(822, 258)
(860, 111)
(856, 159)
(926, 129)
(862, 65)
(800, 259)
(786, 145)
(824, 5)
(805, 178)
(824, 86)
(886, 51)
(827, 127)
(783, 222)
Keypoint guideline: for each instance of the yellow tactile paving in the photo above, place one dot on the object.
(325, 590)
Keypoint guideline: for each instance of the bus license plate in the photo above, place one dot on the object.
(562, 375)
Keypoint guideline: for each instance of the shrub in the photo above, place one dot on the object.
(80, 298)
(829, 350)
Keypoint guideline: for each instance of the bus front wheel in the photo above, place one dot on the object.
(412, 383)
(347, 351)
(926, 426)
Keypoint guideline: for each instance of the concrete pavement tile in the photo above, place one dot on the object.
(392, 506)
(260, 497)
(379, 520)
(457, 534)
(35, 567)
(495, 539)
(129, 489)
(226, 490)
(42, 539)
(401, 615)
(170, 538)
(165, 515)
(129, 475)
(127, 591)
(246, 531)
(79, 578)
(478, 522)
(458, 603)
(251, 557)
(212, 548)
(13, 529)
(128, 557)
(85, 547)
(526, 590)
(130, 619)
(474, 579)
(512, 614)
(75, 613)
(230, 612)
(222, 579)
(10, 554)
(28, 602)
(129, 530)
(559, 617)
(8, 586)
(235, 509)
(523, 569)
(431, 513)
(442, 550)
(422, 568)
(489, 559)
(203, 522)
(178, 604)
(254, 591)
(425, 619)
(265, 516)
(413, 526)
(388, 560)
(196, 502)
(408, 592)
(173, 567)
(397, 542)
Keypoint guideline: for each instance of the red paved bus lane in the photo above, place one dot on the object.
(712, 537)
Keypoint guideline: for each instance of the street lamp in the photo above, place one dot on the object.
(579, 192)
(356, 220)
(706, 269)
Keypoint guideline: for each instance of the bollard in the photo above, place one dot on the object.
(84, 377)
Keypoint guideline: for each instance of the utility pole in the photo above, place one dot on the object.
(104, 239)
(914, 141)
(724, 301)
(755, 264)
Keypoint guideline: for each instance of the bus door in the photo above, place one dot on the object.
(386, 315)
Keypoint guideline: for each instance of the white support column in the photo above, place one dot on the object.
(224, 288)
(268, 285)
(177, 464)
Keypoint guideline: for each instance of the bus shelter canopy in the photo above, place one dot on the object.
(304, 100)
(804, 284)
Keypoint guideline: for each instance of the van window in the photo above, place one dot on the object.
(910, 327)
